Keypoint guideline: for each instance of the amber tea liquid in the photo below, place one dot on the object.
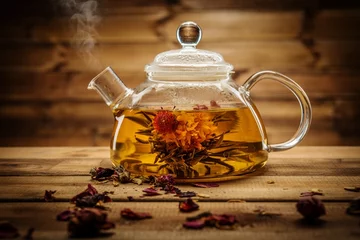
(200, 144)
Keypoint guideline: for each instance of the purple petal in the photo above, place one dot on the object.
(65, 215)
(197, 224)
(150, 192)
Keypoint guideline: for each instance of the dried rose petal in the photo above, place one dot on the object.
(205, 185)
(48, 196)
(211, 220)
(197, 224)
(130, 198)
(88, 222)
(90, 191)
(224, 219)
(188, 206)
(150, 192)
(7, 230)
(310, 207)
(131, 215)
(65, 215)
(90, 197)
(186, 194)
(92, 201)
(354, 207)
(101, 174)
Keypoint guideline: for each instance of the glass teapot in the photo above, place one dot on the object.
(189, 118)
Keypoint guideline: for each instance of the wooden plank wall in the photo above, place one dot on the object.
(43, 95)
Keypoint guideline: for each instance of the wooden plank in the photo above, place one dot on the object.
(98, 111)
(317, 84)
(133, 57)
(124, 57)
(270, 54)
(85, 123)
(73, 86)
(167, 221)
(102, 152)
(48, 9)
(248, 4)
(30, 57)
(56, 86)
(337, 24)
(78, 164)
(251, 188)
(338, 54)
(136, 28)
(96, 136)
(228, 25)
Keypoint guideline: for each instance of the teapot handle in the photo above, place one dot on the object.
(301, 96)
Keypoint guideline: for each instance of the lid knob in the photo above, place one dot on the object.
(188, 34)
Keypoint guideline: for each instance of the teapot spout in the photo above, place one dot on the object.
(110, 87)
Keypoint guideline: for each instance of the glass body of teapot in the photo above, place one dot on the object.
(189, 118)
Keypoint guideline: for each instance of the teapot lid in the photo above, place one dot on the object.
(188, 61)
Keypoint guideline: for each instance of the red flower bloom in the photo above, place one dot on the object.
(164, 122)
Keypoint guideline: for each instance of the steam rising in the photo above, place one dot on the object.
(84, 21)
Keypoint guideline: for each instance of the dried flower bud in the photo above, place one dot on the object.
(310, 207)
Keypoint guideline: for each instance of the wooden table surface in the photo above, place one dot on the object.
(25, 173)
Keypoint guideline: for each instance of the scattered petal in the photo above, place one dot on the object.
(224, 221)
(88, 222)
(131, 215)
(7, 230)
(49, 195)
(130, 198)
(187, 194)
(310, 207)
(150, 192)
(101, 174)
(352, 189)
(90, 191)
(354, 207)
(65, 215)
(205, 185)
(90, 197)
(197, 224)
(188, 206)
